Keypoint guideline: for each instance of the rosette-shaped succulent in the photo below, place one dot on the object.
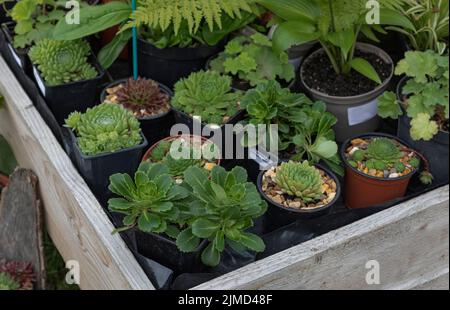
(105, 128)
(300, 180)
(62, 62)
(16, 276)
(178, 166)
(143, 97)
(207, 94)
(383, 150)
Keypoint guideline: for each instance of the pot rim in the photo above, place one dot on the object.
(74, 139)
(374, 50)
(399, 87)
(162, 87)
(173, 138)
(371, 135)
(230, 121)
(304, 211)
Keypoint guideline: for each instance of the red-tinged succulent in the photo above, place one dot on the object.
(16, 276)
(143, 96)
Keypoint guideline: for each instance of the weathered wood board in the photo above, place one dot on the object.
(410, 241)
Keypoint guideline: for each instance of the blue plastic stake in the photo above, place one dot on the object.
(135, 55)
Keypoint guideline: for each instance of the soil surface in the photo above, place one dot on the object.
(320, 75)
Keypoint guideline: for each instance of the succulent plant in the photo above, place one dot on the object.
(207, 94)
(178, 166)
(383, 150)
(160, 151)
(62, 62)
(152, 201)
(7, 282)
(223, 210)
(300, 180)
(105, 128)
(16, 275)
(143, 94)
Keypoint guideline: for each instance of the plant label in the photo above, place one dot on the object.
(16, 58)
(39, 80)
(362, 113)
(264, 161)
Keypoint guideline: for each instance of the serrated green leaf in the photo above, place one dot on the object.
(187, 241)
(211, 256)
(204, 228)
(423, 128)
(388, 106)
(252, 242)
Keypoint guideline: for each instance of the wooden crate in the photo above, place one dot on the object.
(410, 241)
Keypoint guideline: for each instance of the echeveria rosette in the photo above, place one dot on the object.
(62, 62)
(253, 60)
(224, 208)
(105, 128)
(425, 93)
(207, 94)
(383, 149)
(152, 201)
(300, 180)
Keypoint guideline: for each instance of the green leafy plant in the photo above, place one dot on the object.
(207, 94)
(224, 209)
(304, 126)
(431, 21)
(7, 282)
(35, 19)
(105, 128)
(336, 25)
(62, 62)
(425, 94)
(300, 180)
(152, 201)
(165, 23)
(143, 95)
(252, 60)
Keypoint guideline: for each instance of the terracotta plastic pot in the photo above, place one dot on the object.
(173, 138)
(362, 190)
(278, 215)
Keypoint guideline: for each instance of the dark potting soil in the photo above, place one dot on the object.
(320, 75)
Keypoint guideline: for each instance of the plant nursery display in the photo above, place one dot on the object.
(378, 169)
(252, 61)
(422, 106)
(207, 94)
(298, 189)
(180, 153)
(335, 118)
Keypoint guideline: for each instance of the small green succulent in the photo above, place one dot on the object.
(8, 283)
(152, 201)
(207, 94)
(300, 180)
(105, 128)
(383, 150)
(62, 62)
(178, 166)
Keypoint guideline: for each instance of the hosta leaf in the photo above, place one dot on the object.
(187, 241)
(365, 68)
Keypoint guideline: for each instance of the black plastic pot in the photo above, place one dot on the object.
(67, 98)
(19, 55)
(278, 215)
(169, 65)
(97, 169)
(156, 127)
(165, 251)
(436, 150)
